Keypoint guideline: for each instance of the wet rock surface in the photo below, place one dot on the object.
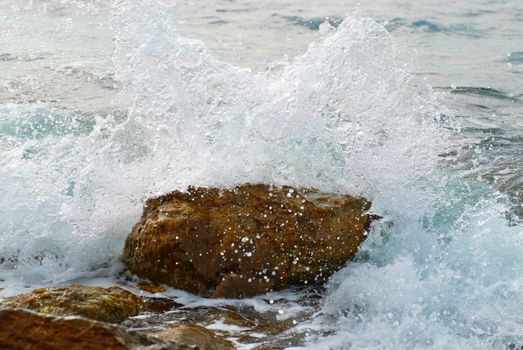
(151, 287)
(220, 325)
(269, 322)
(23, 329)
(111, 305)
(246, 241)
(195, 336)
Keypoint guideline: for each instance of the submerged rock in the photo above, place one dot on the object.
(250, 328)
(194, 335)
(111, 305)
(22, 329)
(247, 241)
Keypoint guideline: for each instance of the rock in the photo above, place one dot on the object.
(151, 288)
(194, 335)
(23, 329)
(160, 305)
(111, 305)
(248, 327)
(247, 241)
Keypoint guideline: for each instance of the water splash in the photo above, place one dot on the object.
(334, 118)
(337, 118)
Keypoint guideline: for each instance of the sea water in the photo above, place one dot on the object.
(417, 105)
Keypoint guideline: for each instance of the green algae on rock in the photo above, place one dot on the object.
(246, 241)
(111, 305)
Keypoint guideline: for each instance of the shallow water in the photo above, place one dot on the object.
(415, 104)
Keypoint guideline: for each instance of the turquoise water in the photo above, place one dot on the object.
(417, 105)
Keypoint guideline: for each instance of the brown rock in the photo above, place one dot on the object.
(151, 287)
(111, 305)
(250, 328)
(246, 241)
(194, 335)
(27, 330)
